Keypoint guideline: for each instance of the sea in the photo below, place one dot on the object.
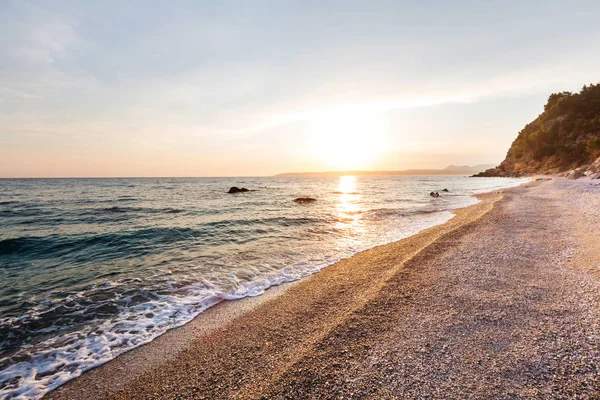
(91, 268)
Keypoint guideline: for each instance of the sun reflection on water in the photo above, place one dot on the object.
(348, 205)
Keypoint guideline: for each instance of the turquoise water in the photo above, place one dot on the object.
(91, 268)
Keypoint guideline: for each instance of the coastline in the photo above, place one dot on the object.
(260, 346)
(240, 257)
(116, 374)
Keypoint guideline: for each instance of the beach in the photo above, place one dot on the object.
(501, 301)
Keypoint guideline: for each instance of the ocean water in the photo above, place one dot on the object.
(90, 268)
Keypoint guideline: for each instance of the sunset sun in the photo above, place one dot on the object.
(348, 142)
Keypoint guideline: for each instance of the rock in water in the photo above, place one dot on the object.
(236, 189)
(444, 190)
(304, 200)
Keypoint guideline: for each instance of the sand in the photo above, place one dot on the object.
(502, 301)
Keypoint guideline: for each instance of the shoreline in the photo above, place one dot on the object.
(117, 373)
(500, 301)
(81, 353)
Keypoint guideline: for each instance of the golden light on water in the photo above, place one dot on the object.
(348, 208)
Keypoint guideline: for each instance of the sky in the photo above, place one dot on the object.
(238, 88)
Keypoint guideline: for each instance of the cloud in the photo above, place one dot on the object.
(34, 36)
(36, 46)
(46, 42)
(520, 82)
(208, 76)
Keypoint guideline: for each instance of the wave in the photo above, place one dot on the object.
(140, 320)
(26, 212)
(117, 209)
(383, 213)
(120, 199)
(56, 245)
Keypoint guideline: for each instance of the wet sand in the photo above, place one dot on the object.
(499, 302)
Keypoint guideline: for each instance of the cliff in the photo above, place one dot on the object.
(563, 140)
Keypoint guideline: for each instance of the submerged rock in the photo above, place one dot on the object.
(304, 200)
(236, 189)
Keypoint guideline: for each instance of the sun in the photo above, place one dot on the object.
(344, 141)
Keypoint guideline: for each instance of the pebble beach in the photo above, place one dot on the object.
(501, 301)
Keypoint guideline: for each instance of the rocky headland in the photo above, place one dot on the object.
(564, 140)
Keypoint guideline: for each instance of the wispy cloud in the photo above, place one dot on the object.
(210, 76)
(46, 42)
(34, 35)
(33, 43)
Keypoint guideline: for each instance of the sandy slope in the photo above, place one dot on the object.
(500, 302)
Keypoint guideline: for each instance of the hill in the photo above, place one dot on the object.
(449, 170)
(566, 136)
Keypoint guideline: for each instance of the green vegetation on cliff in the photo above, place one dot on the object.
(565, 136)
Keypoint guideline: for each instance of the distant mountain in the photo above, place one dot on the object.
(449, 170)
(564, 137)
(465, 169)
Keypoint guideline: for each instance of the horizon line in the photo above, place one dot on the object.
(347, 172)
